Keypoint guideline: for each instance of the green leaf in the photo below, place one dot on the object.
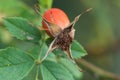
(71, 67)
(21, 29)
(14, 64)
(77, 50)
(54, 71)
(32, 74)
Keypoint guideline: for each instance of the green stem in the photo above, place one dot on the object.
(42, 42)
(37, 73)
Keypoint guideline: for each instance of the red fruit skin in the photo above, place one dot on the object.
(56, 16)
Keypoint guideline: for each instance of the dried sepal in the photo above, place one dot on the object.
(53, 28)
(50, 49)
(63, 41)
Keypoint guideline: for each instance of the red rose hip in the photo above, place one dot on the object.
(57, 17)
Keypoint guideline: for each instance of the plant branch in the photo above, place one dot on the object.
(97, 70)
(42, 42)
(37, 73)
